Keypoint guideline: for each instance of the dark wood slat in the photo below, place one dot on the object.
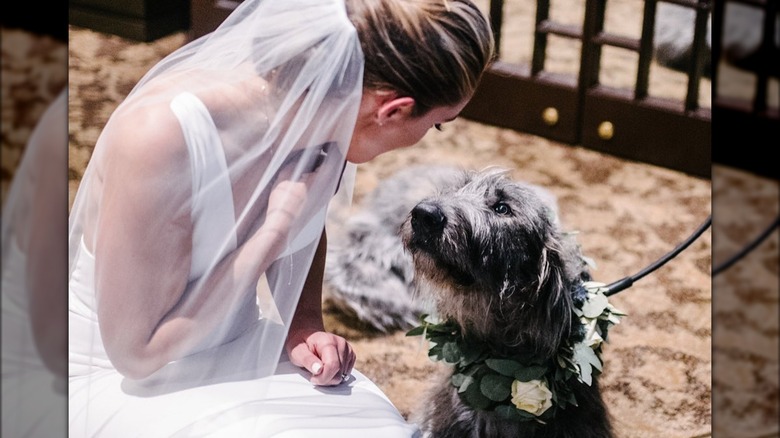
(590, 56)
(608, 39)
(758, 3)
(769, 54)
(645, 50)
(696, 67)
(564, 30)
(540, 37)
(496, 16)
(693, 4)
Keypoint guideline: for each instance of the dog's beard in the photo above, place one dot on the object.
(438, 270)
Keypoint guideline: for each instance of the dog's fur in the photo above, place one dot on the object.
(491, 252)
(506, 277)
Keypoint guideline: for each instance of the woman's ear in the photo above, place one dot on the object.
(394, 108)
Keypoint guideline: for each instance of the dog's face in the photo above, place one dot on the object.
(489, 249)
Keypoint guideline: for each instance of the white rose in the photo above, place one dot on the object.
(533, 396)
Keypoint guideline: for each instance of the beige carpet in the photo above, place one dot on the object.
(658, 375)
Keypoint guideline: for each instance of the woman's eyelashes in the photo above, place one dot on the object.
(437, 126)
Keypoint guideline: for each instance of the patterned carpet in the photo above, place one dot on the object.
(658, 375)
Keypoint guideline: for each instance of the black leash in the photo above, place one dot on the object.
(627, 282)
(750, 247)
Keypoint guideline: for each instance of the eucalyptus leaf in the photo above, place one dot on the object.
(442, 329)
(450, 352)
(590, 355)
(507, 367)
(532, 372)
(461, 381)
(467, 382)
(471, 353)
(595, 305)
(496, 387)
(457, 379)
(438, 339)
(614, 319)
(417, 331)
(567, 360)
(512, 413)
(594, 285)
(615, 311)
(475, 398)
(474, 370)
(586, 359)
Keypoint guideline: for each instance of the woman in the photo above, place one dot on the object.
(197, 237)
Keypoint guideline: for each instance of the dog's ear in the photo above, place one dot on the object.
(554, 288)
(548, 320)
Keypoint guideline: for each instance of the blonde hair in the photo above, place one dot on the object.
(434, 51)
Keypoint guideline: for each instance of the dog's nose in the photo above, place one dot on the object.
(428, 218)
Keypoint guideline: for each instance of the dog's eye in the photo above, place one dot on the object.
(502, 209)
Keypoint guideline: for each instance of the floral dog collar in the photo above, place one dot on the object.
(516, 388)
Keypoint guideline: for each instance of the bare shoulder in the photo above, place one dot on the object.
(145, 163)
(147, 139)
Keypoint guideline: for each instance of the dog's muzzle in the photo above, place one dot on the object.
(428, 220)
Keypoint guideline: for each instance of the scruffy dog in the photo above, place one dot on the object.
(502, 293)
(519, 314)
(510, 302)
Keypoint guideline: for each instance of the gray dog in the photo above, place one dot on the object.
(505, 297)
(370, 275)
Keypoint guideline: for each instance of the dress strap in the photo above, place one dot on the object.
(212, 193)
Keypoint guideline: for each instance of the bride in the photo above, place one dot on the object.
(197, 236)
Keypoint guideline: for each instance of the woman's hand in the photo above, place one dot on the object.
(328, 357)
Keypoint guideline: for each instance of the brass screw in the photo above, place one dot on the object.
(550, 116)
(606, 130)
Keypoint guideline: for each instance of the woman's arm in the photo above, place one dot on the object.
(148, 312)
(325, 355)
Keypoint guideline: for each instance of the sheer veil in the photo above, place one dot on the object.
(34, 297)
(209, 188)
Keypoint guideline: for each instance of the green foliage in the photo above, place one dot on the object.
(484, 379)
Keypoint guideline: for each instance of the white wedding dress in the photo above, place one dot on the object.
(197, 396)
(33, 398)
